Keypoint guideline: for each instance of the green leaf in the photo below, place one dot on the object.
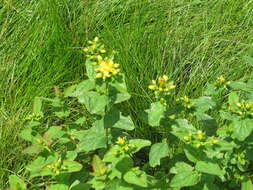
(68, 92)
(185, 179)
(210, 90)
(70, 155)
(136, 177)
(193, 154)
(116, 120)
(60, 109)
(155, 114)
(77, 185)
(209, 186)
(209, 168)
(71, 166)
(118, 90)
(26, 134)
(139, 144)
(34, 149)
(38, 166)
(242, 128)
(84, 87)
(112, 156)
(90, 69)
(181, 167)
(226, 115)
(93, 138)
(157, 152)
(37, 105)
(118, 184)
(58, 187)
(203, 104)
(124, 164)
(223, 145)
(182, 128)
(247, 185)
(209, 123)
(233, 98)
(98, 166)
(54, 132)
(120, 163)
(94, 102)
(16, 183)
(248, 60)
(237, 85)
(121, 97)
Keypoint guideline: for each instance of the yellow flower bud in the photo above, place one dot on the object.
(173, 116)
(85, 49)
(96, 39)
(172, 87)
(126, 148)
(121, 141)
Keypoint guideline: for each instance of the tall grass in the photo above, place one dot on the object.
(40, 46)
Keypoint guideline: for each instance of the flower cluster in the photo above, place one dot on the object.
(34, 117)
(104, 66)
(163, 85)
(242, 109)
(123, 142)
(57, 167)
(186, 102)
(95, 48)
(199, 139)
(221, 82)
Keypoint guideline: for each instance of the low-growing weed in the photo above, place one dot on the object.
(208, 146)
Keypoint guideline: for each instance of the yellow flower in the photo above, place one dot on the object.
(162, 80)
(126, 148)
(172, 86)
(152, 87)
(96, 39)
(106, 68)
(221, 79)
(186, 99)
(162, 85)
(200, 135)
(121, 140)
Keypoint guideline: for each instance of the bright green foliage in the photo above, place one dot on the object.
(155, 114)
(16, 183)
(185, 179)
(208, 146)
(192, 41)
(158, 151)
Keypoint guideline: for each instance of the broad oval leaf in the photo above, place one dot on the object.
(181, 167)
(94, 102)
(136, 177)
(242, 128)
(115, 119)
(139, 144)
(155, 114)
(93, 138)
(157, 152)
(185, 179)
(247, 185)
(209, 168)
(16, 183)
(193, 154)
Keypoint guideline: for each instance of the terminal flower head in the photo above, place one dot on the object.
(162, 85)
(94, 48)
(121, 140)
(106, 68)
